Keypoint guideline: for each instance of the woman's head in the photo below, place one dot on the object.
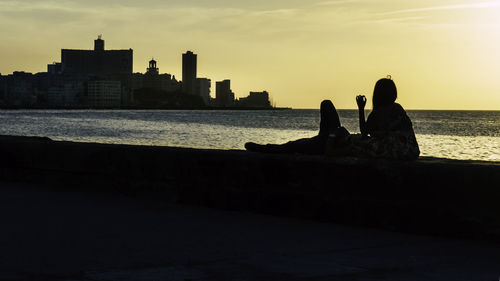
(385, 92)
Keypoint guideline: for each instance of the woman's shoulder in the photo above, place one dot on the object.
(398, 107)
(392, 111)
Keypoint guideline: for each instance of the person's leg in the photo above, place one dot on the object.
(329, 118)
(316, 145)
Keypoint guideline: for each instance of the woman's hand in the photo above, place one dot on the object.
(361, 101)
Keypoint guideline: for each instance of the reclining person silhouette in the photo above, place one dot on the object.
(386, 133)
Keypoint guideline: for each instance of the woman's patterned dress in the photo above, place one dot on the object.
(390, 136)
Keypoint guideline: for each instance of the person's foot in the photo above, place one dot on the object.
(251, 146)
(264, 148)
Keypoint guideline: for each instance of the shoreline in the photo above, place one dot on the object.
(146, 108)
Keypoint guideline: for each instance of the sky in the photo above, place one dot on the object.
(442, 54)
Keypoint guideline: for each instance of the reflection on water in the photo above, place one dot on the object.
(450, 134)
(455, 147)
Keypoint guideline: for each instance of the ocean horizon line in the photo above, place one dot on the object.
(227, 108)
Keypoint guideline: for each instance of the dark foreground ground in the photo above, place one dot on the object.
(84, 211)
(52, 234)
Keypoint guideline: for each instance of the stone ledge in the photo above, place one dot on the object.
(432, 196)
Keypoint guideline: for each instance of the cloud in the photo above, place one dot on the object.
(46, 12)
(395, 20)
(223, 14)
(43, 15)
(481, 5)
(334, 2)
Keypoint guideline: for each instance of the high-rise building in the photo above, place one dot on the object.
(224, 96)
(203, 89)
(97, 62)
(189, 72)
(110, 65)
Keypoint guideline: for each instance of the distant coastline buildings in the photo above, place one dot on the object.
(101, 78)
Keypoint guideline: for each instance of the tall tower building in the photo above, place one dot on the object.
(189, 72)
(99, 44)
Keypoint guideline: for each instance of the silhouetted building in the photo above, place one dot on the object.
(152, 79)
(104, 94)
(54, 68)
(67, 93)
(19, 89)
(99, 44)
(224, 96)
(42, 81)
(153, 69)
(101, 63)
(97, 62)
(137, 81)
(61, 90)
(203, 86)
(152, 76)
(189, 72)
(2, 88)
(256, 99)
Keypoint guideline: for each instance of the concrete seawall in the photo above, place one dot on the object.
(431, 196)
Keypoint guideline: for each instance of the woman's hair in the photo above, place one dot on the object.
(385, 93)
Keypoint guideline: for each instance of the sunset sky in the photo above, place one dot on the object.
(442, 54)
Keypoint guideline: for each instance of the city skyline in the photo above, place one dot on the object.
(102, 78)
(441, 54)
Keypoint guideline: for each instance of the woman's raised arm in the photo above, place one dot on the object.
(361, 101)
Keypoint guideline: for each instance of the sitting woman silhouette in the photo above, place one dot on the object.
(386, 133)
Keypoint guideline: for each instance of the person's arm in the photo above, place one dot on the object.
(361, 101)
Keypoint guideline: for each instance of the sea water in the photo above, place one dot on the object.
(473, 135)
